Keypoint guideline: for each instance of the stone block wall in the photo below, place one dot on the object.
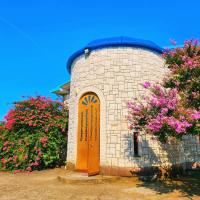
(115, 75)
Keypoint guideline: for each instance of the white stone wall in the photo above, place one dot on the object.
(116, 75)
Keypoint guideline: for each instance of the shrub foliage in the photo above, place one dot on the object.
(33, 136)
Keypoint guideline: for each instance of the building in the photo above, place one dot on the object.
(105, 74)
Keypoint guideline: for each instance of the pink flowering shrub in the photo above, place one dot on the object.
(173, 107)
(34, 135)
(184, 65)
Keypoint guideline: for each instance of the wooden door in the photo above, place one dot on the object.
(88, 145)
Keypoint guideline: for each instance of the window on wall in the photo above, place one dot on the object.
(136, 143)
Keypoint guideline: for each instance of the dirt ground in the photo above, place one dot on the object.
(46, 185)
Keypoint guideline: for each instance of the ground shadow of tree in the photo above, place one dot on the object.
(149, 154)
(188, 186)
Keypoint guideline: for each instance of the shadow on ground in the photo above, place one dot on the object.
(188, 186)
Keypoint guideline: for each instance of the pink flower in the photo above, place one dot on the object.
(194, 94)
(189, 62)
(6, 143)
(15, 158)
(195, 115)
(179, 126)
(30, 123)
(43, 140)
(4, 161)
(182, 118)
(157, 87)
(146, 84)
(25, 157)
(29, 169)
(155, 124)
(4, 148)
(10, 124)
(39, 153)
(37, 159)
(155, 102)
(35, 164)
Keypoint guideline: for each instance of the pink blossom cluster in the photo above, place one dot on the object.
(161, 108)
(10, 119)
(178, 125)
(35, 112)
(187, 56)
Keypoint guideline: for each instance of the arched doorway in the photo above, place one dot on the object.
(88, 137)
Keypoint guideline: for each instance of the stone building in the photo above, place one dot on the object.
(105, 74)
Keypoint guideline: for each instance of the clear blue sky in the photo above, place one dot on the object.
(37, 37)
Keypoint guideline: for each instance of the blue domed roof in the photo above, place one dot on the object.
(114, 42)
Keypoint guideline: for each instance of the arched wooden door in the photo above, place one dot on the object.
(88, 141)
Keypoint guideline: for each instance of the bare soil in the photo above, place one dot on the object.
(47, 185)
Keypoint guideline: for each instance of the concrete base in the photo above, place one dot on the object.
(131, 171)
(78, 178)
(124, 171)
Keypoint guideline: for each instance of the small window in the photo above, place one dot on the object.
(135, 143)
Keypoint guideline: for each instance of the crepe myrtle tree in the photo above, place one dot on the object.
(172, 107)
(33, 135)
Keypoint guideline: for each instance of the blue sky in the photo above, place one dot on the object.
(37, 37)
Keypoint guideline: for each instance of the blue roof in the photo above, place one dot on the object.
(114, 42)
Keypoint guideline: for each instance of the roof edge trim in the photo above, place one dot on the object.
(114, 42)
